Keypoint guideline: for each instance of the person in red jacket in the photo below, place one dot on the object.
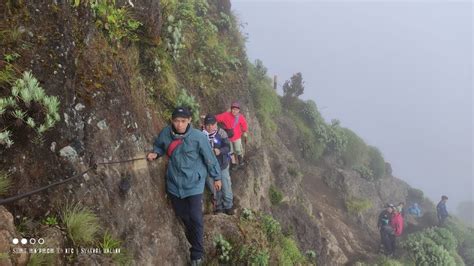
(236, 127)
(397, 224)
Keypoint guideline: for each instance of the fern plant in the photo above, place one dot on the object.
(27, 100)
(5, 138)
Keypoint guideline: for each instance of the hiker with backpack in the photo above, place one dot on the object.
(220, 144)
(442, 211)
(191, 161)
(235, 125)
(397, 224)
(414, 210)
(385, 228)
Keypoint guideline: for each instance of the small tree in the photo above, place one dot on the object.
(293, 88)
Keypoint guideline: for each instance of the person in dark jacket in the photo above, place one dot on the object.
(385, 228)
(387, 237)
(220, 144)
(442, 210)
(191, 160)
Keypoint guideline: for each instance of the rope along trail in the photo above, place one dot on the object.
(94, 165)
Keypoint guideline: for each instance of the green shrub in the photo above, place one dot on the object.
(186, 100)
(376, 162)
(334, 137)
(357, 206)
(247, 214)
(290, 253)
(223, 248)
(116, 21)
(271, 227)
(50, 220)
(275, 195)
(425, 251)
(310, 255)
(81, 224)
(9, 58)
(364, 172)
(293, 171)
(5, 182)
(311, 147)
(442, 237)
(465, 237)
(355, 151)
(251, 255)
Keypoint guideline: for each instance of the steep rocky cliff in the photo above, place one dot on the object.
(115, 95)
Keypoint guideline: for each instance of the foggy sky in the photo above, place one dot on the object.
(398, 73)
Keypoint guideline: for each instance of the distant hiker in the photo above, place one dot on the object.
(236, 127)
(385, 215)
(442, 211)
(384, 225)
(397, 224)
(414, 210)
(221, 146)
(191, 160)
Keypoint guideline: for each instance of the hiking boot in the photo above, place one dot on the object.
(229, 211)
(196, 262)
(234, 167)
(218, 211)
(241, 160)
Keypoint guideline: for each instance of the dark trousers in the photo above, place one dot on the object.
(189, 210)
(442, 220)
(388, 241)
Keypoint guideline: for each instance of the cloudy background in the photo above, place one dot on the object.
(398, 73)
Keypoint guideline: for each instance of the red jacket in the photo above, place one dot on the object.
(397, 223)
(228, 119)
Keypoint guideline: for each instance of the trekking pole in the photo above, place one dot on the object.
(93, 165)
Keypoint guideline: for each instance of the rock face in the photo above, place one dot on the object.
(7, 234)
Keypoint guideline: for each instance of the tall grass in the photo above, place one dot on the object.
(5, 182)
(81, 223)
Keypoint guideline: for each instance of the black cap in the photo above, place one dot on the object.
(182, 112)
(210, 120)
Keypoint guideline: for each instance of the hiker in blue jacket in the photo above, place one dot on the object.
(442, 210)
(415, 210)
(191, 161)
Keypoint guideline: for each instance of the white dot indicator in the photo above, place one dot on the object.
(41, 241)
(24, 241)
(15, 241)
(32, 241)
